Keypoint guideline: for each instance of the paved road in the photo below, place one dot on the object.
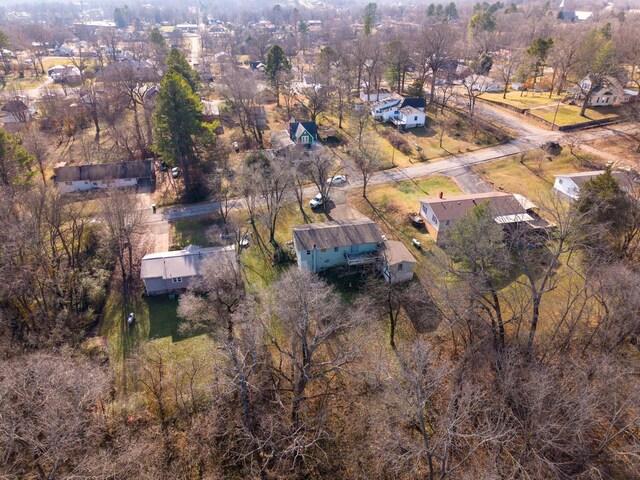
(529, 137)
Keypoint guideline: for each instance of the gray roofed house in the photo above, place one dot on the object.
(166, 272)
(339, 243)
(398, 262)
(441, 213)
(569, 184)
(103, 175)
(280, 140)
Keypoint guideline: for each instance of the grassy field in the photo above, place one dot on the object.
(459, 137)
(191, 231)
(523, 99)
(532, 174)
(570, 114)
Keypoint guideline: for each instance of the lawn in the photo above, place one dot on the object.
(570, 114)
(156, 321)
(532, 174)
(191, 231)
(523, 99)
(459, 137)
(390, 206)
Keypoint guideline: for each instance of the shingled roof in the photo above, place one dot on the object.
(104, 171)
(457, 207)
(340, 233)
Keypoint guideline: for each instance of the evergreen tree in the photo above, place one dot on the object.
(156, 38)
(431, 10)
(177, 62)
(369, 18)
(450, 11)
(120, 18)
(15, 161)
(176, 123)
(277, 65)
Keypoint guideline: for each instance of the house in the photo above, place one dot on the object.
(16, 111)
(168, 272)
(348, 243)
(280, 141)
(375, 95)
(409, 117)
(607, 94)
(398, 263)
(103, 175)
(483, 84)
(569, 184)
(65, 74)
(441, 213)
(303, 132)
(403, 112)
(259, 66)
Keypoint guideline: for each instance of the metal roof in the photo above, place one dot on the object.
(104, 171)
(180, 263)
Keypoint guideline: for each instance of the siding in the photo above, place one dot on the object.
(318, 259)
(84, 185)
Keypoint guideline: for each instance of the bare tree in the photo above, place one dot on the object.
(368, 161)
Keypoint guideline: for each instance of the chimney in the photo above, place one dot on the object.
(441, 194)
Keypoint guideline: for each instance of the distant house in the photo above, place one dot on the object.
(103, 175)
(324, 245)
(403, 112)
(65, 74)
(375, 95)
(16, 111)
(483, 84)
(441, 213)
(169, 272)
(398, 263)
(259, 66)
(569, 184)
(303, 132)
(607, 94)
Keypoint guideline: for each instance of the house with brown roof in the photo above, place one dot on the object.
(74, 178)
(398, 262)
(167, 272)
(441, 213)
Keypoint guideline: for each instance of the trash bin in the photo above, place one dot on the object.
(154, 208)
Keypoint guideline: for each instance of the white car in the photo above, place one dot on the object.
(337, 180)
(175, 172)
(316, 201)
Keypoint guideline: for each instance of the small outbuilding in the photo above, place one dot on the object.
(398, 262)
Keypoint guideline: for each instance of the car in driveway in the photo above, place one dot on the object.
(317, 201)
(337, 180)
(175, 172)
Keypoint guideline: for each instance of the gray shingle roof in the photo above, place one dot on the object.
(340, 233)
(457, 207)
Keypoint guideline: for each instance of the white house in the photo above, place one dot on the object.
(403, 112)
(441, 213)
(17, 111)
(167, 272)
(77, 178)
(483, 84)
(375, 95)
(399, 263)
(409, 117)
(610, 93)
(569, 184)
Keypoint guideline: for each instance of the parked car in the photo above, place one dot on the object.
(337, 180)
(317, 201)
(244, 243)
(175, 172)
(416, 243)
(236, 147)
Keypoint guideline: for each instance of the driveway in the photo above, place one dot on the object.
(468, 180)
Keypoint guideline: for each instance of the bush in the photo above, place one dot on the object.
(397, 141)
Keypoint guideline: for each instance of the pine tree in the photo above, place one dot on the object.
(177, 62)
(277, 65)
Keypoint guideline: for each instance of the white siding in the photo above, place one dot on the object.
(567, 187)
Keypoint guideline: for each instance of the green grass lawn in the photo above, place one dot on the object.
(191, 231)
(156, 321)
(523, 99)
(570, 114)
(532, 174)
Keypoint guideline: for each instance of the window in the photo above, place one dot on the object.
(308, 252)
(434, 219)
(446, 223)
(335, 249)
(323, 250)
(560, 181)
(86, 182)
(69, 183)
(176, 279)
(415, 118)
(400, 266)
